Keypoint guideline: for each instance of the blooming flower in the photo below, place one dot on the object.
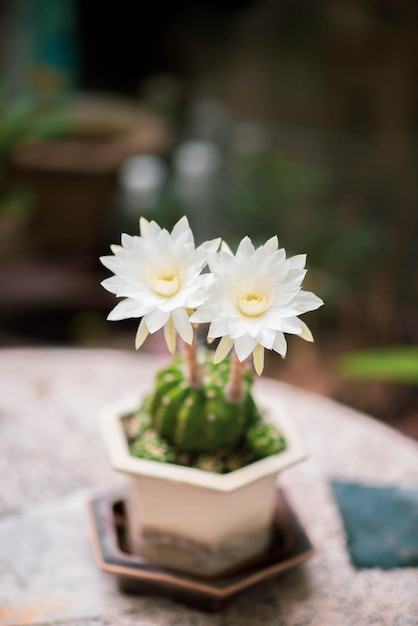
(159, 275)
(254, 298)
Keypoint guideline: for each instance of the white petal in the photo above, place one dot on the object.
(207, 280)
(203, 315)
(209, 247)
(143, 226)
(115, 248)
(271, 245)
(180, 227)
(128, 241)
(266, 337)
(182, 325)
(291, 325)
(112, 263)
(298, 261)
(218, 328)
(307, 301)
(170, 336)
(306, 333)
(112, 284)
(258, 359)
(141, 334)
(244, 346)
(124, 310)
(280, 344)
(245, 247)
(152, 230)
(223, 349)
(156, 320)
(294, 278)
(164, 243)
(240, 325)
(219, 263)
(225, 248)
(184, 239)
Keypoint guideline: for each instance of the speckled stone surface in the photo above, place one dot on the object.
(51, 461)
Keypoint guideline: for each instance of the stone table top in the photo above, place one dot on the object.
(52, 461)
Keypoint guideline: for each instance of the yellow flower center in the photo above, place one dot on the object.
(253, 304)
(166, 285)
(253, 296)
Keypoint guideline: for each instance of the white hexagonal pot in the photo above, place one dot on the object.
(194, 520)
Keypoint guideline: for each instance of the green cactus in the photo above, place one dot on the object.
(150, 446)
(202, 419)
(263, 439)
(199, 427)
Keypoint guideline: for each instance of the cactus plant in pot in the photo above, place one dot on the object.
(203, 447)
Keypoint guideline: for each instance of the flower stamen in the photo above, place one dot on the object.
(166, 285)
(253, 305)
(253, 295)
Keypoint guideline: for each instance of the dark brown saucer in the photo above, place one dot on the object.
(290, 545)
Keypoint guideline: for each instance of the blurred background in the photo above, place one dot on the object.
(295, 117)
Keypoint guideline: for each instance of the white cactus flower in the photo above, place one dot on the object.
(254, 298)
(159, 276)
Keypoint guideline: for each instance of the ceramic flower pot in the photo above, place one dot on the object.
(194, 520)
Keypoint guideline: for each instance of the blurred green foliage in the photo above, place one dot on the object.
(394, 365)
(270, 194)
(265, 194)
(355, 239)
(357, 234)
(25, 119)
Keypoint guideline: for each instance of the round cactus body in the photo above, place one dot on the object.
(199, 427)
(202, 419)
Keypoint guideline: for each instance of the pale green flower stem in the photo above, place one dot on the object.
(235, 384)
(193, 368)
(234, 390)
